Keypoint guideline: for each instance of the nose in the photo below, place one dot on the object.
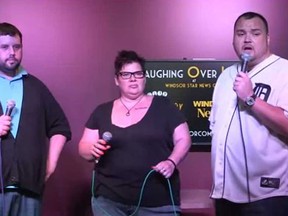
(12, 51)
(247, 38)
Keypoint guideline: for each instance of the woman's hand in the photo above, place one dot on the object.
(99, 148)
(166, 168)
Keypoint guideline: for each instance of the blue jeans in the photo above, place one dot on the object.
(105, 207)
(17, 204)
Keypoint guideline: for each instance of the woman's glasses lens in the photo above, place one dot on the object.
(136, 74)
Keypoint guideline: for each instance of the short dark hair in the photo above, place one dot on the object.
(9, 29)
(127, 57)
(250, 15)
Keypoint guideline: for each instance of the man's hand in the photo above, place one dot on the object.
(5, 124)
(243, 86)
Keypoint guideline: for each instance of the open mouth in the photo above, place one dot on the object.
(247, 49)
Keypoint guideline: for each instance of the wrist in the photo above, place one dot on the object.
(250, 100)
(171, 161)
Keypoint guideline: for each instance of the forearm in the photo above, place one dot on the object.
(179, 152)
(271, 116)
(87, 145)
(182, 144)
(56, 145)
(85, 150)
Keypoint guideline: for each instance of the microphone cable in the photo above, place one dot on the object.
(244, 148)
(140, 196)
(244, 152)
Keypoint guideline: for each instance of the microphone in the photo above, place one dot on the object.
(10, 106)
(107, 136)
(245, 59)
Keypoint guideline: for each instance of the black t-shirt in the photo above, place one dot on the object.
(134, 150)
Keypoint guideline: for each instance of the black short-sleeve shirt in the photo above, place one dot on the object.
(134, 150)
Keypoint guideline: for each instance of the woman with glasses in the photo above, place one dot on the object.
(137, 141)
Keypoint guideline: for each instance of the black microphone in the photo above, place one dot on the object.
(10, 106)
(245, 59)
(107, 136)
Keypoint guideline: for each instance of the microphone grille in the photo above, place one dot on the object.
(107, 136)
(245, 56)
(11, 104)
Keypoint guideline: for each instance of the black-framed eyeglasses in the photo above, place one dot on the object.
(127, 75)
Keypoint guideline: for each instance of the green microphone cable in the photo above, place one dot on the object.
(141, 193)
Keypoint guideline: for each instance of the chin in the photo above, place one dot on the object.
(10, 70)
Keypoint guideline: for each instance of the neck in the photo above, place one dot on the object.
(125, 102)
(131, 100)
(8, 75)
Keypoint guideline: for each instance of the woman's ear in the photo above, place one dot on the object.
(116, 80)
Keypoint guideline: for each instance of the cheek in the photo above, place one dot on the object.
(237, 47)
(236, 44)
(143, 84)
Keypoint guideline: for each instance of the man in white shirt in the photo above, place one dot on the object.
(249, 124)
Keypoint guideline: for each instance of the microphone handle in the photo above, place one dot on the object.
(244, 66)
(107, 136)
(8, 111)
(98, 159)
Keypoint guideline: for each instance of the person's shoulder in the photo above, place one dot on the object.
(34, 79)
(283, 60)
(105, 105)
(279, 62)
(35, 83)
(230, 68)
(102, 108)
(161, 99)
(228, 72)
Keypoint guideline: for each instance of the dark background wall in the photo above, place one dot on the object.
(71, 45)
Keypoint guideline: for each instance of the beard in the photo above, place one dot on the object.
(9, 69)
